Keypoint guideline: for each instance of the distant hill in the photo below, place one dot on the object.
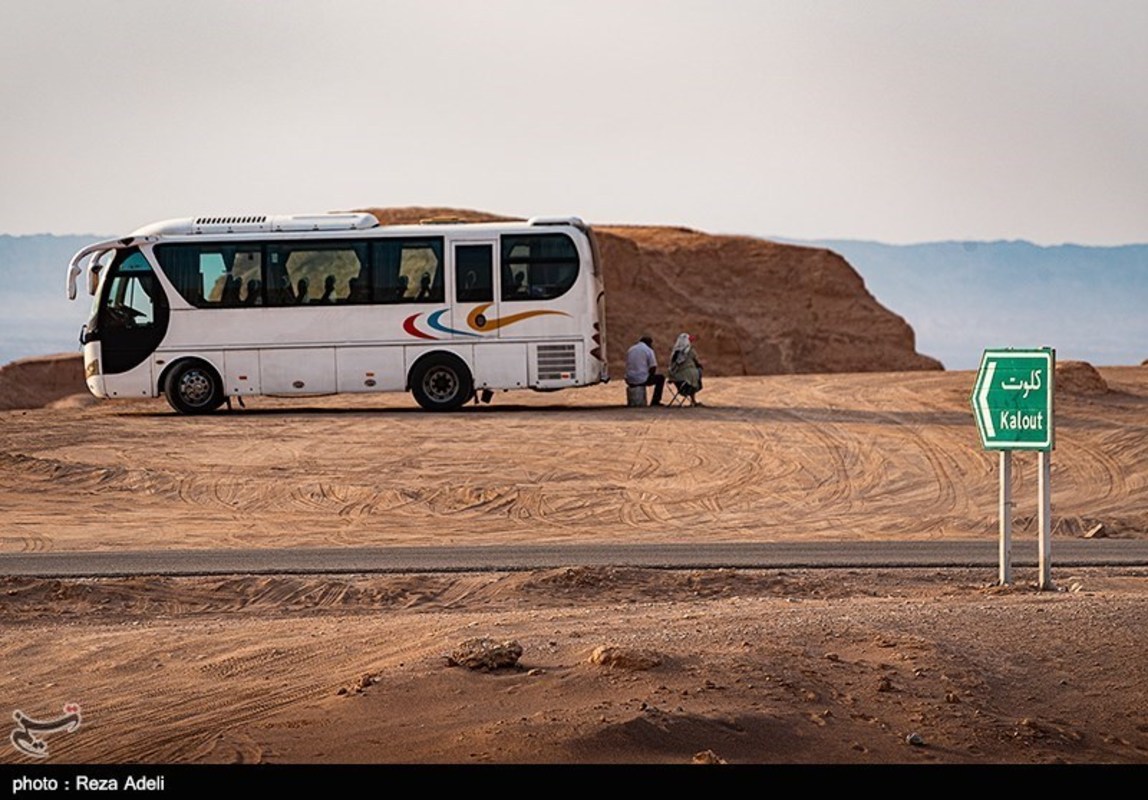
(963, 297)
(38, 317)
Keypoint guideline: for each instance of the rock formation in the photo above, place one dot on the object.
(1079, 377)
(758, 307)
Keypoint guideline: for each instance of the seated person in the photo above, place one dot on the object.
(424, 287)
(231, 289)
(642, 368)
(685, 369)
(357, 292)
(400, 290)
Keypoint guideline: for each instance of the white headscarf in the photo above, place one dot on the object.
(681, 350)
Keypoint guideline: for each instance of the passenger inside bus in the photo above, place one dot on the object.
(231, 288)
(357, 292)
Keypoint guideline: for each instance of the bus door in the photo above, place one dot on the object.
(476, 303)
(131, 319)
(497, 364)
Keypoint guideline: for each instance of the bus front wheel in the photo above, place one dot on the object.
(193, 387)
(441, 382)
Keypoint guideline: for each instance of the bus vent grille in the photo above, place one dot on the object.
(231, 220)
(556, 362)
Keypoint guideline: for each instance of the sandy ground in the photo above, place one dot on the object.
(749, 667)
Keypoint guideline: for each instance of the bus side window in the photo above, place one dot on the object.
(314, 272)
(473, 268)
(538, 266)
(408, 271)
(214, 276)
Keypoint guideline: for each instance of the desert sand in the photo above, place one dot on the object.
(617, 665)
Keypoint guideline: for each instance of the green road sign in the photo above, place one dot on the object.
(1012, 399)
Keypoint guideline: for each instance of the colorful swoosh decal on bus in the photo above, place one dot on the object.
(479, 322)
(475, 319)
(433, 321)
(409, 327)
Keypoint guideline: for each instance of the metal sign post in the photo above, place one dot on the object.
(1044, 517)
(1012, 401)
(1006, 518)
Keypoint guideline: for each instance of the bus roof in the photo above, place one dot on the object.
(329, 222)
(252, 226)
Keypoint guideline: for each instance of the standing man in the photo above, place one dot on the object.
(642, 368)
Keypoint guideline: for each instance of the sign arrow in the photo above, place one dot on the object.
(983, 399)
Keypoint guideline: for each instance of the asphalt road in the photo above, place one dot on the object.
(780, 555)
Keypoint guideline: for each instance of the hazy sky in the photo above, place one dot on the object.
(896, 121)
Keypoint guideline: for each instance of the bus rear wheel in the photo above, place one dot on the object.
(193, 387)
(441, 382)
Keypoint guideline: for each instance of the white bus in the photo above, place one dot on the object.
(202, 310)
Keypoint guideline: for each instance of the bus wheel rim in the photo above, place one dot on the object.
(441, 384)
(195, 387)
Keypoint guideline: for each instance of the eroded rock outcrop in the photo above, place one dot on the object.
(758, 307)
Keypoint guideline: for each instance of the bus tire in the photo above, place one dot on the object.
(441, 382)
(193, 387)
